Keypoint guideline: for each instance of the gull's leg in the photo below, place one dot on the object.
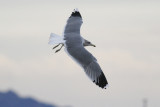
(59, 48)
(56, 46)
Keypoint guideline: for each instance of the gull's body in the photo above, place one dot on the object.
(74, 46)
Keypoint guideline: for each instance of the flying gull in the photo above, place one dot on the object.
(74, 45)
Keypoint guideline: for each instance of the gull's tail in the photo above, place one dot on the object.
(55, 39)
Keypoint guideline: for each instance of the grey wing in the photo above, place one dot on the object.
(90, 65)
(73, 23)
(93, 70)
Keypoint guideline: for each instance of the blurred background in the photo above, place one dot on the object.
(127, 38)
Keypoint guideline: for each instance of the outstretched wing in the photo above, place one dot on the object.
(73, 23)
(89, 64)
(94, 72)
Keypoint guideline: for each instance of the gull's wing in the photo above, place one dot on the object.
(73, 23)
(89, 64)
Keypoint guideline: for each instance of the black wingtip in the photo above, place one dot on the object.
(76, 13)
(102, 81)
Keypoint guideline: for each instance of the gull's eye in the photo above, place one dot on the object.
(89, 42)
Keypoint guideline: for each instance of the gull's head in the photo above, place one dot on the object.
(88, 43)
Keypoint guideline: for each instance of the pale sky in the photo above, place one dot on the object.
(127, 37)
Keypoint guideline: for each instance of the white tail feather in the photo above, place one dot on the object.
(55, 39)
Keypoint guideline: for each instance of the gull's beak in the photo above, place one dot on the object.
(92, 45)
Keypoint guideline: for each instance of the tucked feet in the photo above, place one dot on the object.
(59, 48)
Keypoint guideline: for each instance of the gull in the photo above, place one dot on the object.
(74, 45)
